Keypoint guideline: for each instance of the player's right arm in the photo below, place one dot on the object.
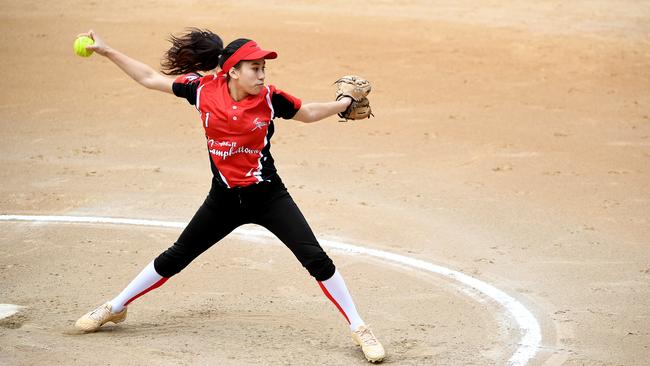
(144, 74)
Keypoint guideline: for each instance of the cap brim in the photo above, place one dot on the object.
(269, 55)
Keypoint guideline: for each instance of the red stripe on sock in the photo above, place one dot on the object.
(152, 287)
(329, 296)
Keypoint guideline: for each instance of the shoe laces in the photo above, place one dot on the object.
(100, 313)
(367, 337)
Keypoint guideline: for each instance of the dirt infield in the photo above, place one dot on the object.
(511, 142)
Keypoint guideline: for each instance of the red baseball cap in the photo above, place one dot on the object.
(248, 51)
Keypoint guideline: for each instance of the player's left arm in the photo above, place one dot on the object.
(316, 111)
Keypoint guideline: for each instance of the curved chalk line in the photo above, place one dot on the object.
(526, 321)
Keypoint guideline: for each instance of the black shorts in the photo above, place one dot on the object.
(267, 204)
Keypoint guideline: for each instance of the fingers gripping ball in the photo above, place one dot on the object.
(80, 46)
(358, 89)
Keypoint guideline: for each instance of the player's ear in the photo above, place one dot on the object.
(233, 73)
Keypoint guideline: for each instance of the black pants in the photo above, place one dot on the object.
(267, 204)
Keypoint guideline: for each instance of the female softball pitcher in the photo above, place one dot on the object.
(237, 112)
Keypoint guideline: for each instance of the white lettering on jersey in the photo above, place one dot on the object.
(225, 149)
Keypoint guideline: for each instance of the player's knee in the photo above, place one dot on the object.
(321, 269)
(172, 261)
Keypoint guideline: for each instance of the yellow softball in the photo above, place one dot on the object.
(80, 46)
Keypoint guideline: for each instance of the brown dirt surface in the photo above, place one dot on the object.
(511, 142)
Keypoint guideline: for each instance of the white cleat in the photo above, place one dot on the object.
(372, 349)
(91, 321)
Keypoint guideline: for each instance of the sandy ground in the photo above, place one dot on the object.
(511, 142)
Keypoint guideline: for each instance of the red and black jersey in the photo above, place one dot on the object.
(238, 133)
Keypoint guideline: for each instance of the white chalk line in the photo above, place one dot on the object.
(7, 310)
(526, 321)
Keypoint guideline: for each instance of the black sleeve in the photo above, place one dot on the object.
(185, 86)
(285, 105)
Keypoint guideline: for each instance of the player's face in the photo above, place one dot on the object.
(250, 76)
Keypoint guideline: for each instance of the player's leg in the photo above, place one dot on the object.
(283, 218)
(209, 225)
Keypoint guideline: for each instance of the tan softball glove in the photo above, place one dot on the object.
(358, 89)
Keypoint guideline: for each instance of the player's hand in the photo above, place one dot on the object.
(346, 101)
(99, 46)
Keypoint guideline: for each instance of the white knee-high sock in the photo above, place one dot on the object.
(144, 282)
(335, 290)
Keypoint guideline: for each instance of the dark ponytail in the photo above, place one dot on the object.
(196, 50)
